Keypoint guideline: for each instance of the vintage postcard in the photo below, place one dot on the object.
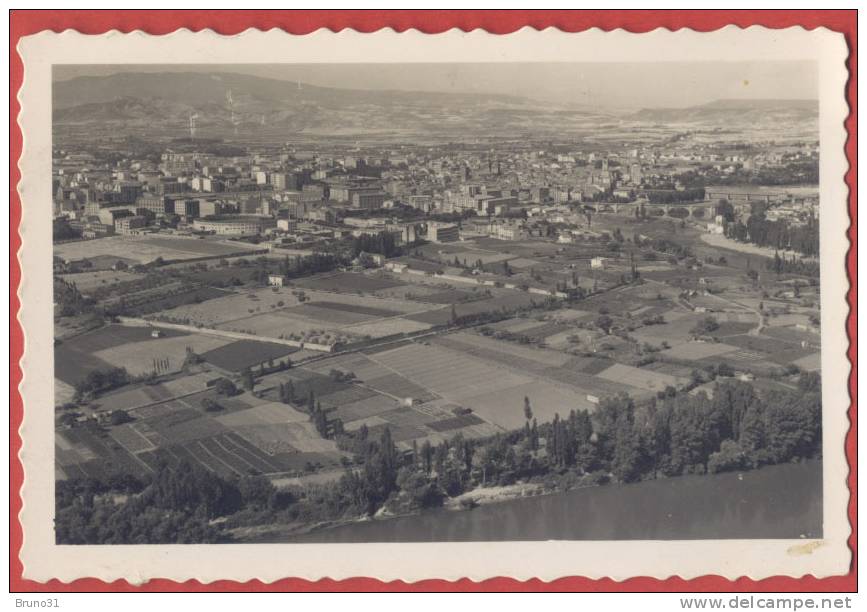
(418, 306)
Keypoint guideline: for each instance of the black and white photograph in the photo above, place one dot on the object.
(343, 303)
(314, 301)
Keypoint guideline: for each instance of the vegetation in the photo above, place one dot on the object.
(100, 381)
(623, 441)
(781, 235)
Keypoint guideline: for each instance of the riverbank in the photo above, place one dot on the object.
(492, 495)
(481, 496)
(723, 242)
(750, 493)
(779, 501)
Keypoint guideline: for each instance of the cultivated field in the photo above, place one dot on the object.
(144, 249)
(138, 357)
(88, 281)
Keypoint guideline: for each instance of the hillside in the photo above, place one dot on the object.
(740, 112)
(224, 103)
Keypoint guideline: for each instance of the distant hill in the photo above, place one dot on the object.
(733, 111)
(221, 101)
(198, 89)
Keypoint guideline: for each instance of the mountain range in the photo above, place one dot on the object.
(223, 103)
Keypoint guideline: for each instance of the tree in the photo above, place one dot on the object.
(705, 326)
(226, 387)
(119, 417)
(528, 410)
(247, 380)
(210, 405)
(604, 322)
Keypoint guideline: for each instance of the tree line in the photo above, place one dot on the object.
(673, 434)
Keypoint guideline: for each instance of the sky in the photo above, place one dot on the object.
(592, 85)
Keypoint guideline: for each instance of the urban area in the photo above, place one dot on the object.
(267, 329)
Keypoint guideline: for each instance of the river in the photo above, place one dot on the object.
(783, 501)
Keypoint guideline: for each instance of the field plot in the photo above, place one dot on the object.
(233, 306)
(63, 392)
(90, 452)
(144, 249)
(286, 437)
(182, 385)
(165, 408)
(810, 363)
(637, 377)
(384, 328)
(453, 423)
(240, 354)
(305, 381)
(88, 281)
(269, 413)
(138, 357)
(335, 313)
(588, 383)
(676, 331)
(280, 315)
(503, 351)
(777, 351)
(449, 296)
(227, 454)
(276, 324)
(71, 365)
(397, 386)
(507, 301)
(448, 373)
(362, 366)
(572, 315)
(505, 407)
(352, 393)
(132, 397)
(349, 282)
(590, 365)
(366, 408)
(131, 439)
(693, 351)
(791, 334)
(184, 425)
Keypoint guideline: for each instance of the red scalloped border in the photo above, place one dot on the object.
(25, 22)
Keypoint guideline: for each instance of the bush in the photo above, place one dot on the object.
(210, 405)
(226, 387)
(729, 458)
(119, 417)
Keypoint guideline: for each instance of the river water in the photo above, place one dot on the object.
(783, 501)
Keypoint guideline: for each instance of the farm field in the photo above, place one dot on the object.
(280, 314)
(638, 377)
(675, 331)
(234, 356)
(88, 281)
(694, 351)
(144, 249)
(347, 282)
(72, 365)
(139, 357)
(504, 351)
(810, 363)
(481, 385)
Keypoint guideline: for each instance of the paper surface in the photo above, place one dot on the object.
(43, 559)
